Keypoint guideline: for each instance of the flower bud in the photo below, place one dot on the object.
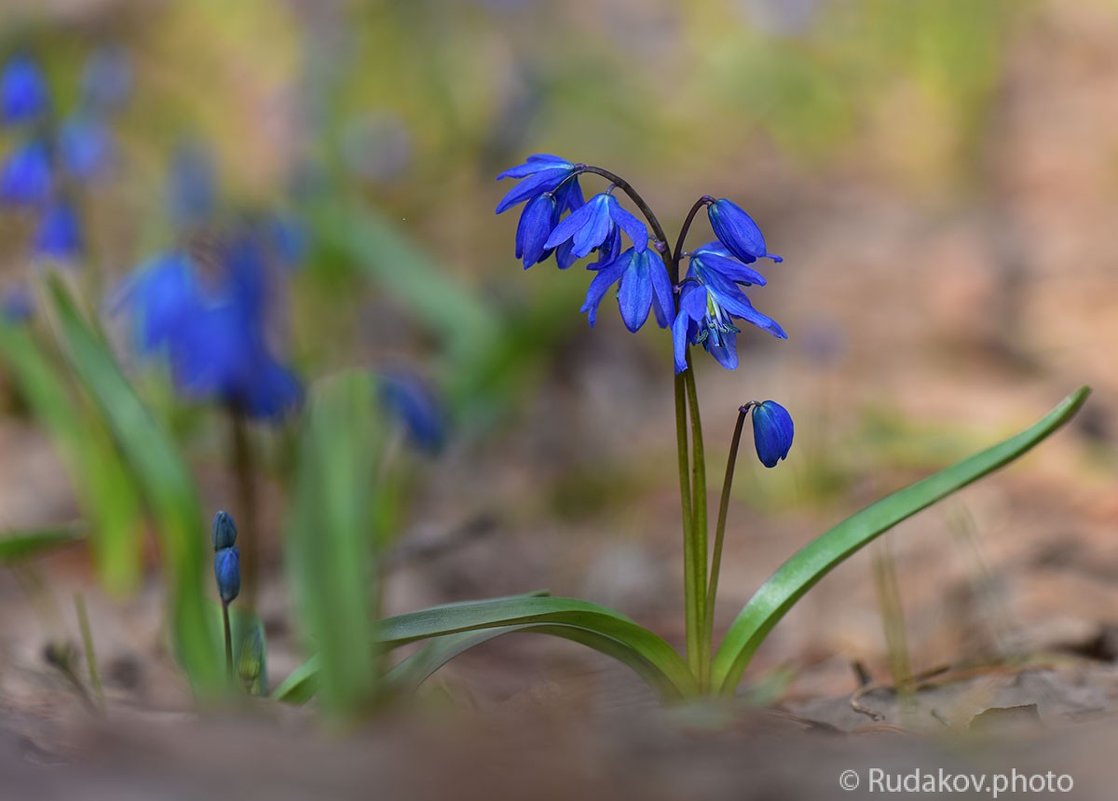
(772, 432)
(227, 571)
(224, 531)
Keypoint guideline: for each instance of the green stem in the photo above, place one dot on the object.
(698, 517)
(691, 610)
(247, 539)
(720, 528)
(87, 645)
(228, 640)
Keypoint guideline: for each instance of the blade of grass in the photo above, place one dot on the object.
(166, 484)
(15, 546)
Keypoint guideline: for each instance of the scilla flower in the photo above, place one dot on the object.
(644, 285)
(416, 408)
(738, 232)
(26, 175)
(540, 173)
(59, 233)
(592, 224)
(772, 432)
(224, 531)
(23, 91)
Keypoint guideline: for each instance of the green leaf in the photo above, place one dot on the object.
(807, 566)
(19, 545)
(105, 490)
(166, 484)
(330, 538)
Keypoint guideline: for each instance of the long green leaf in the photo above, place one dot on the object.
(330, 538)
(16, 546)
(417, 668)
(805, 568)
(166, 483)
(453, 618)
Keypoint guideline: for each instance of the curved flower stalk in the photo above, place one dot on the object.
(700, 307)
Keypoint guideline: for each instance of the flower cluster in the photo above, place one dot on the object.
(227, 560)
(51, 158)
(700, 307)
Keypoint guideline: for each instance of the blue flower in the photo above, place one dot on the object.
(737, 231)
(540, 173)
(86, 147)
(772, 432)
(224, 531)
(593, 223)
(708, 303)
(23, 90)
(59, 234)
(213, 339)
(416, 407)
(644, 285)
(538, 219)
(107, 79)
(227, 571)
(25, 177)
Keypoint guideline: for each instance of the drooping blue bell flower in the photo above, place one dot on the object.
(772, 432)
(107, 79)
(541, 173)
(706, 315)
(593, 223)
(26, 176)
(23, 91)
(414, 404)
(227, 571)
(224, 531)
(738, 232)
(644, 284)
(86, 147)
(59, 233)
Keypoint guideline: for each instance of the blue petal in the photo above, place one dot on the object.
(663, 302)
(738, 305)
(25, 177)
(534, 164)
(23, 90)
(224, 531)
(530, 187)
(596, 229)
(736, 230)
(773, 432)
(723, 346)
(727, 266)
(416, 407)
(634, 297)
(271, 390)
(536, 222)
(692, 308)
(633, 227)
(603, 280)
(59, 233)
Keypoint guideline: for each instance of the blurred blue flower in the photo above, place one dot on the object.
(644, 285)
(227, 571)
(772, 432)
(738, 232)
(17, 305)
(107, 79)
(214, 339)
(192, 185)
(23, 90)
(224, 531)
(540, 173)
(414, 404)
(85, 147)
(59, 233)
(592, 224)
(26, 175)
(288, 239)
